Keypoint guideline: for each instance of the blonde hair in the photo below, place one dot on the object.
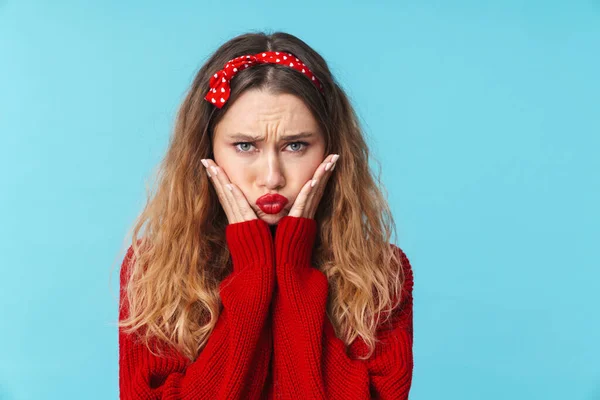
(178, 253)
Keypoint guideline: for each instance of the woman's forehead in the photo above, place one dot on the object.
(257, 112)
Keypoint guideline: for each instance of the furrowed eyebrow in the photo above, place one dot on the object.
(251, 138)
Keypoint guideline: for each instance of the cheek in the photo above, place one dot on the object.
(242, 177)
(309, 167)
(306, 173)
(237, 175)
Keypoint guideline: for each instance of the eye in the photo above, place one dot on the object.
(237, 149)
(302, 148)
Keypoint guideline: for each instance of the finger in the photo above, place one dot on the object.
(213, 171)
(239, 204)
(221, 178)
(244, 206)
(322, 175)
(313, 198)
(330, 162)
(298, 210)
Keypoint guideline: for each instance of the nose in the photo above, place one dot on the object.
(271, 173)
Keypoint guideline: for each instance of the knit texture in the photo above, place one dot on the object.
(273, 339)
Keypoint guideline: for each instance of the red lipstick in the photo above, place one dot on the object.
(271, 203)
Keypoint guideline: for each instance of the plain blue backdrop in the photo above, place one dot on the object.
(483, 115)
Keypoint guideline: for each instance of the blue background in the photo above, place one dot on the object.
(484, 116)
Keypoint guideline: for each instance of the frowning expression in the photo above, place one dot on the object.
(268, 143)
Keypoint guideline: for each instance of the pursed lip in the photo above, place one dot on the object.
(272, 198)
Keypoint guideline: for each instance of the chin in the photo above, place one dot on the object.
(273, 219)
(271, 222)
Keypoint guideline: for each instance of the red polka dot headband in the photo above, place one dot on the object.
(219, 91)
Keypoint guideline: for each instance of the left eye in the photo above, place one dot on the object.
(305, 144)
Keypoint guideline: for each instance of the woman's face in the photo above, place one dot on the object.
(251, 145)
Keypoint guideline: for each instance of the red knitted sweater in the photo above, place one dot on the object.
(273, 339)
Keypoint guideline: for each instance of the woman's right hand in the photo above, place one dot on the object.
(234, 202)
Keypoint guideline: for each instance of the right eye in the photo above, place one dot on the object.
(235, 145)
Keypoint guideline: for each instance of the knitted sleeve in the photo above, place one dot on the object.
(309, 361)
(235, 361)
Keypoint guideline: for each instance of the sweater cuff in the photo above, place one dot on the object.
(250, 242)
(294, 240)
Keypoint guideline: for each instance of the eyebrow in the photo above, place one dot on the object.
(251, 138)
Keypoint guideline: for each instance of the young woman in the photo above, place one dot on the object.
(265, 269)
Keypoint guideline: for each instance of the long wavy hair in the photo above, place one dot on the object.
(178, 255)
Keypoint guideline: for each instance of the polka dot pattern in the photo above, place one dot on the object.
(219, 91)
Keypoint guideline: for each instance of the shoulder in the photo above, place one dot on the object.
(406, 266)
(398, 325)
(402, 313)
(127, 263)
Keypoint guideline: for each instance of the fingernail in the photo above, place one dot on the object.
(327, 166)
(214, 169)
(332, 168)
(204, 162)
(229, 187)
(335, 158)
(313, 183)
(208, 173)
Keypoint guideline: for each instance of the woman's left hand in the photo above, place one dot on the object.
(308, 199)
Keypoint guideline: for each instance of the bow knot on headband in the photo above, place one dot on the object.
(220, 90)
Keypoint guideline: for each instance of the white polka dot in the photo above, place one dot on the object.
(247, 56)
(303, 70)
(278, 60)
(277, 52)
(213, 100)
(297, 59)
(284, 57)
(222, 90)
(291, 64)
(235, 70)
(223, 80)
(313, 78)
(227, 66)
(214, 90)
(216, 76)
(245, 65)
(222, 100)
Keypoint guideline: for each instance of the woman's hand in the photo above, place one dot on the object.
(231, 197)
(309, 197)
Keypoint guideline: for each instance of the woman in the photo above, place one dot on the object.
(264, 271)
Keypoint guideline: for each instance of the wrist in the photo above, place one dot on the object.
(250, 243)
(294, 241)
